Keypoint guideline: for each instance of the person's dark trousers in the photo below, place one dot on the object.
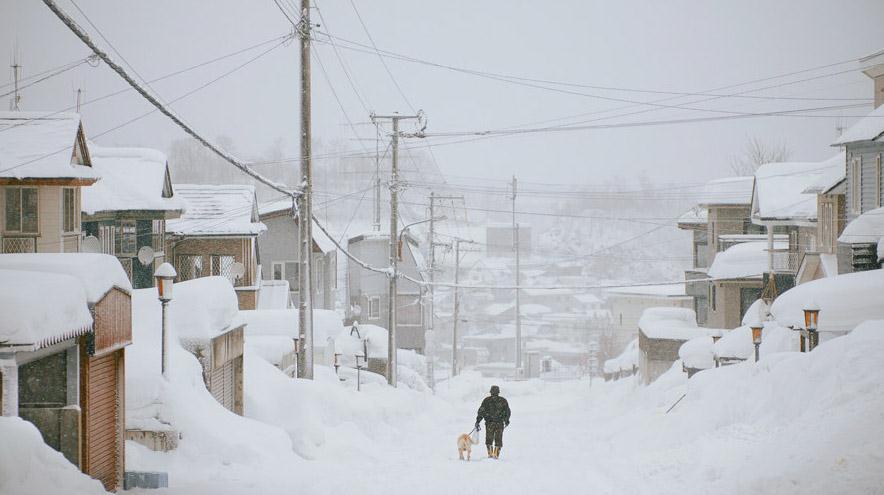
(494, 434)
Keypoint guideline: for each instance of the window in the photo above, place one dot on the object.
(374, 308)
(189, 266)
(278, 272)
(106, 238)
(70, 212)
(221, 265)
(712, 297)
(128, 237)
(856, 182)
(21, 209)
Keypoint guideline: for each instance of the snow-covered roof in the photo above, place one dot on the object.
(274, 294)
(746, 259)
(833, 173)
(204, 308)
(657, 290)
(628, 359)
(697, 215)
(41, 309)
(697, 353)
(867, 228)
(131, 179)
(285, 204)
(727, 191)
(217, 210)
(868, 128)
(41, 145)
(350, 345)
(671, 323)
(281, 322)
(780, 189)
(96, 273)
(736, 343)
(588, 299)
(271, 348)
(844, 301)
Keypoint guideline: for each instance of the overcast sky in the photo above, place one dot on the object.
(673, 46)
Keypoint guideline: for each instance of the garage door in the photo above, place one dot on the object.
(102, 419)
(222, 384)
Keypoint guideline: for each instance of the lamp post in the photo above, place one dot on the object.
(337, 362)
(359, 371)
(165, 278)
(811, 319)
(756, 325)
(412, 224)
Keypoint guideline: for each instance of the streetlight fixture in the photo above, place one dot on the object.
(402, 232)
(360, 360)
(337, 362)
(756, 325)
(165, 278)
(811, 320)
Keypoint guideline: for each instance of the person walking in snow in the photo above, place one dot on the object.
(495, 410)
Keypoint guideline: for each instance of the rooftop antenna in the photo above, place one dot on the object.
(79, 97)
(16, 74)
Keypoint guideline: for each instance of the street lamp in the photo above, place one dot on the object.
(756, 325)
(360, 360)
(165, 276)
(402, 232)
(811, 319)
(337, 362)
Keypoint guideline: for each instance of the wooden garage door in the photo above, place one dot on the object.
(102, 419)
(222, 384)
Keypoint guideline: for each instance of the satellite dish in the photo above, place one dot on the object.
(146, 255)
(90, 244)
(237, 269)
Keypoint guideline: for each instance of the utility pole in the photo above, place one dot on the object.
(377, 180)
(431, 239)
(518, 269)
(16, 75)
(456, 304)
(305, 207)
(394, 244)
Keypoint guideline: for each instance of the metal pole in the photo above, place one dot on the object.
(394, 256)
(432, 290)
(456, 308)
(518, 269)
(305, 207)
(757, 349)
(165, 344)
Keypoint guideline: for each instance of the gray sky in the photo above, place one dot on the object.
(681, 46)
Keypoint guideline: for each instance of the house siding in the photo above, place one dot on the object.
(871, 181)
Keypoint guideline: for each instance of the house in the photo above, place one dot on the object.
(218, 236)
(784, 203)
(627, 305)
(44, 165)
(722, 211)
(662, 332)
(126, 211)
(864, 146)
(369, 290)
(737, 276)
(830, 191)
(205, 317)
(66, 325)
(280, 254)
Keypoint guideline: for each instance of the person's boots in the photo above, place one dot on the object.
(496, 452)
(490, 451)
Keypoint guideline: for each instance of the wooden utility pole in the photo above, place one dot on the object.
(305, 208)
(518, 277)
(457, 242)
(16, 75)
(394, 244)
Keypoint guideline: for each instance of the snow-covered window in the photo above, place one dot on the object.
(222, 266)
(374, 308)
(21, 209)
(70, 212)
(127, 237)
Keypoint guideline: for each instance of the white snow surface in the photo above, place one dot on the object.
(671, 323)
(866, 228)
(727, 191)
(736, 343)
(40, 145)
(695, 216)
(203, 308)
(131, 179)
(30, 467)
(743, 260)
(278, 322)
(697, 353)
(868, 128)
(274, 294)
(844, 301)
(41, 308)
(97, 273)
(216, 210)
(780, 189)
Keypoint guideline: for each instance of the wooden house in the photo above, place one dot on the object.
(44, 165)
(369, 290)
(662, 332)
(65, 372)
(830, 190)
(217, 236)
(126, 211)
(864, 196)
(280, 254)
(627, 305)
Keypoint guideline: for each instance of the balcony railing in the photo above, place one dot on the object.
(786, 261)
(19, 244)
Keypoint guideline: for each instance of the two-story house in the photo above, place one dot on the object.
(864, 194)
(217, 235)
(280, 254)
(44, 165)
(126, 211)
(369, 290)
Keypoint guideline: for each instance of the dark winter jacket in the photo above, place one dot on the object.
(494, 409)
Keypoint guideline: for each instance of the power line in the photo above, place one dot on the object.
(186, 128)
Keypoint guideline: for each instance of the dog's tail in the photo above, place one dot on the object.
(470, 436)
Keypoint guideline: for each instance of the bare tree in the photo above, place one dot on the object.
(756, 153)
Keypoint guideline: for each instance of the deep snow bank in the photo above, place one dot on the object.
(30, 467)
